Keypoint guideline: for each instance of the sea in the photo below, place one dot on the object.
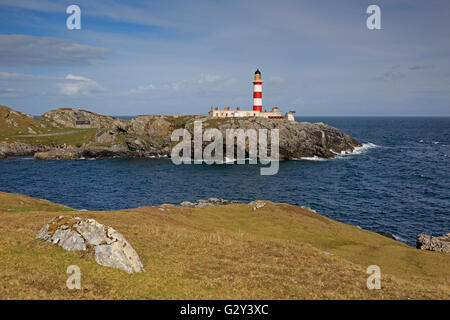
(397, 182)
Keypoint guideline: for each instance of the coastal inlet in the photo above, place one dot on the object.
(397, 181)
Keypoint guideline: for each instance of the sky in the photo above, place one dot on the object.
(182, 57)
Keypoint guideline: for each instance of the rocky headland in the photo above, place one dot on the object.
(68, 133)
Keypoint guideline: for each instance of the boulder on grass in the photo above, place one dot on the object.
(110, 248)
(440, 244)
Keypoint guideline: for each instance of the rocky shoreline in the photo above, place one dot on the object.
(150, 136)
(17, 149)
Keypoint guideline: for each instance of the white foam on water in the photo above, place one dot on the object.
(398, 238)
(363, 148)
(229, 160)
(356, 151)
(315, 158)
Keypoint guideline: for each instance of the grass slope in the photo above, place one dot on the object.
(227, 252)
(15, 126)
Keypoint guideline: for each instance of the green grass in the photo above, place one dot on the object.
(226, 252)
(180, 121)
(14, 127)
(75, 138)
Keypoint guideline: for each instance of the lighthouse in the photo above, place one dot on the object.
(257, 92)
(275, 113)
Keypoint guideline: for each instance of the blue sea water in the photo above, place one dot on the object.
(399, 182)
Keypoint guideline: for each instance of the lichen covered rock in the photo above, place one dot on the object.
(111, 249)
(207, 203)
(439, 244)
(257, 204)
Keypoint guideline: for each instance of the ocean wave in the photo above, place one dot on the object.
(356, 151)
(231, 160)
(363, 148)
(398, 238)
(315, 158)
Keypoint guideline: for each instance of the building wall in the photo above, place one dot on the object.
(270, 114)
(228, 113)
(233, 113)
(290, 116)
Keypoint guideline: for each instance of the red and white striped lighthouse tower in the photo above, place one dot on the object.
(257, 92)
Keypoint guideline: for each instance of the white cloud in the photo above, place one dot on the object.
(77, 85)
(142, 89)
(11, 77)
(8, 93)
(201, 83)
(23, 50)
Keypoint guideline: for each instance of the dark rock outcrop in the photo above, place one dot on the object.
(85, 152)
(105, 152)
(57, 155)
(19, 149)
(387, 235)
(439, 244)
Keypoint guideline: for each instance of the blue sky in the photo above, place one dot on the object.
(181, 57)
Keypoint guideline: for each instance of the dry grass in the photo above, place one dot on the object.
(226, 252)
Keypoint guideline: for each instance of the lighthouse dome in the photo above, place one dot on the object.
(257, 71)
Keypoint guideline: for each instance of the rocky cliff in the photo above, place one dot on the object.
(150, 136)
